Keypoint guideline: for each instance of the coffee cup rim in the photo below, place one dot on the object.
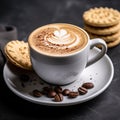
(66, 55)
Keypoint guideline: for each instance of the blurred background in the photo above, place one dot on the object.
(26, 15)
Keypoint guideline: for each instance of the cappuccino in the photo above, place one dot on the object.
(58, 39)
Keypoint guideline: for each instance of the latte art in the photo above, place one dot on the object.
(63, 38)
(60, 33)
(58, 39)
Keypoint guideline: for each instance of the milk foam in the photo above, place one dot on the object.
(62, 37)
(60, 33)
(58, 39)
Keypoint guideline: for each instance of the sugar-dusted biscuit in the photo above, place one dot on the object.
(17, 52)
(107, 38)
(101, 17)
(102, 30)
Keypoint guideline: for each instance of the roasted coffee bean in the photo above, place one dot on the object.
(66, 92)
(46, 90)
(24, 78)
(88, 85)
(58, 89)
(51, 93)
(82, 90)
(37, 93)
(73, 94)
(58, 97)
(57, 93)
(23, 85)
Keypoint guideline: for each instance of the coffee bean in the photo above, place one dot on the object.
(58, 97)
(37, 93)
(73, 94)
(57, 92)
(23, 85)
(82, 90)
(51, 93)
(24, 78)
(58, 89)
(46, 90)
(88, 85)
(66, 92)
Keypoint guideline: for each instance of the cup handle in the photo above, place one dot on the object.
(93, 43)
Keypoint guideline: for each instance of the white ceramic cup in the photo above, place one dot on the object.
(62, 70)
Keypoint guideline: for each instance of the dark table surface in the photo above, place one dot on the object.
(26, 15)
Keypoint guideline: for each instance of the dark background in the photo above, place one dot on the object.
(27, 15)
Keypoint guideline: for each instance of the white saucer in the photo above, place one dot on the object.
(101, 74)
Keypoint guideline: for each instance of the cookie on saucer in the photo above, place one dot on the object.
(17, 53)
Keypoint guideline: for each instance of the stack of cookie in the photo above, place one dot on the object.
(103, 23)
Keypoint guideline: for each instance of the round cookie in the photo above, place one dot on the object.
(102, 30)
(101, 17)
(17, 52)
(107, 38)
(111, 44)
(114, 43)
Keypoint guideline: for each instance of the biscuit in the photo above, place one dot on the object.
(107, 38)
(111, 44)
(102, 30)
(101, 17)
(17, 52)
(114, 43)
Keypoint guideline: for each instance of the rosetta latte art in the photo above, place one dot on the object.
(58, 39)
(63, 39)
